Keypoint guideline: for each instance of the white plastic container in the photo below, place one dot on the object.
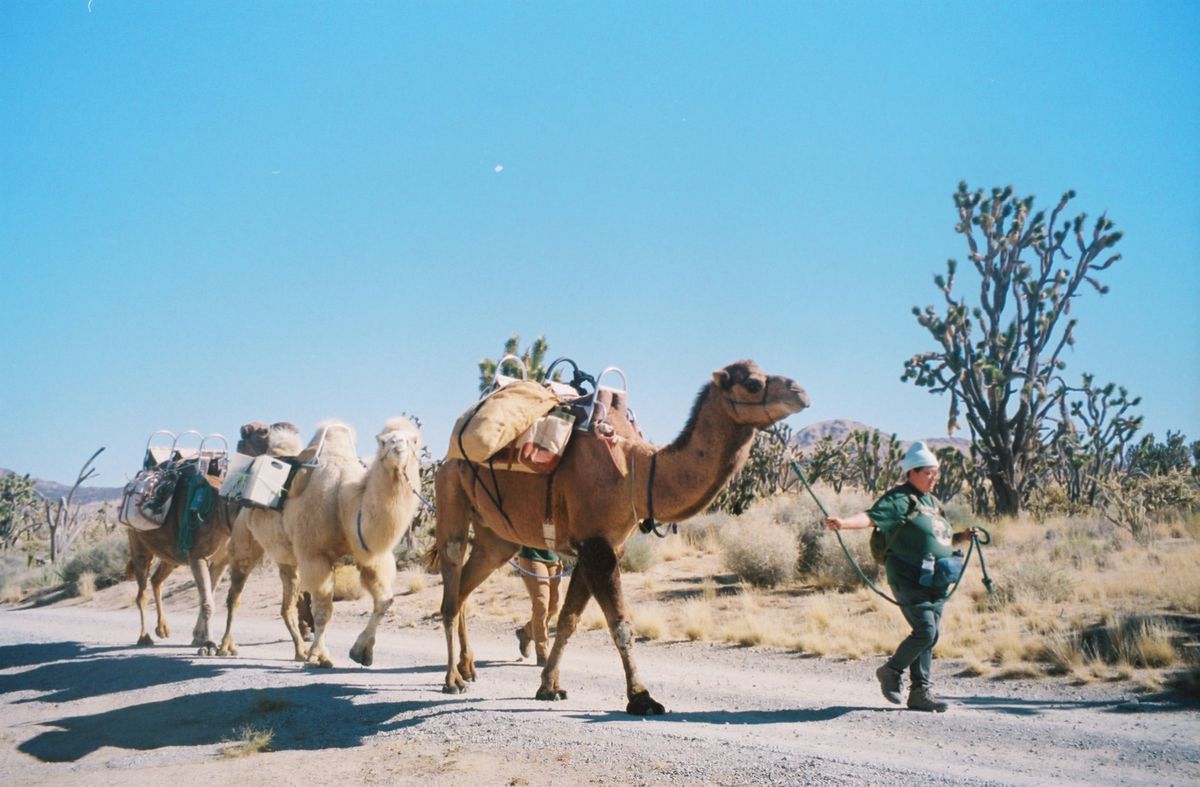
(255, 481)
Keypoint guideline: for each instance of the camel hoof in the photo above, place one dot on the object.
(207, 649)
(643, 704)
(227, 650)
(550, 695)
(365, 657)
(145, 640)
(450, 688)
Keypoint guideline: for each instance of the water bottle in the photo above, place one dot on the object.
(927, 564)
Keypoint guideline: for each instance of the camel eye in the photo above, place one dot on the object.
(753, 386)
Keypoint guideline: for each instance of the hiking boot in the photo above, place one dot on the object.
(889, 684)
(923, 698)
(523, 641)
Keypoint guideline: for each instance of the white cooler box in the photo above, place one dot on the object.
(255, 481)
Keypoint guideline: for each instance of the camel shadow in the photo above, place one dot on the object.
(1164, 702)
(30, 653)
(722, 717)
(90, 674)
(314, 717)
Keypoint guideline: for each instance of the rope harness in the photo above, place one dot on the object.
(975, 540)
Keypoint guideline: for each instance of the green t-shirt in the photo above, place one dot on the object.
(539, 555)
(926, 532)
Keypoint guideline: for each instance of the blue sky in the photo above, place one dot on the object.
(212, 213)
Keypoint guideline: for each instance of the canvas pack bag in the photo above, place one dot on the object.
(499, 419)
(147, 498)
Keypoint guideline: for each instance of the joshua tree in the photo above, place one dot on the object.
(1000, 358)
(62, 517)
(533, 358)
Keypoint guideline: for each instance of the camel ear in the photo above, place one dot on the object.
(721, 378)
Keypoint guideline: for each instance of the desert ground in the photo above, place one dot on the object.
(83, 705)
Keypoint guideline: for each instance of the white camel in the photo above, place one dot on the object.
(256, 530)
(346, 509)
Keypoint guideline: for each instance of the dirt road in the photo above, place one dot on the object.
(82, 705)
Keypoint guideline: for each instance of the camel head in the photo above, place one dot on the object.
(400, 448)
(754, 398)
(253, 441)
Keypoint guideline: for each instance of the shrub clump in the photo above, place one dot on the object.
(637, 555)
(100, 565)
(761, 552)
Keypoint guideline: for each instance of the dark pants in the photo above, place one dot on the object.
(922, 609)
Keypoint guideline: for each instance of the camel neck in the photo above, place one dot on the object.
(691, 471)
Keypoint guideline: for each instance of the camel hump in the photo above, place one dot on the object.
(333, 439)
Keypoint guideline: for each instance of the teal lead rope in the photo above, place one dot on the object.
(987, 581)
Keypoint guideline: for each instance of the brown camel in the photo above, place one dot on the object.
(206, 558)
(595, 499)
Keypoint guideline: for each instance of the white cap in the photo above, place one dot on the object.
(918, 455)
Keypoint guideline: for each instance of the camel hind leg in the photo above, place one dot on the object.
(377, 580)
(287, 610)
(244, 556)
(602, 572)
(488, 553)
(316, 576)
(203, 575)
(578, 595)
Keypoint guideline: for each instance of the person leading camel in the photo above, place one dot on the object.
(541, 571)
(917, 537)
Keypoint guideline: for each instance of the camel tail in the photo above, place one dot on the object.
(432, 559)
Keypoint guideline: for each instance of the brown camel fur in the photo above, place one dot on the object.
(206, 558)
(597, 497)
(256, 528)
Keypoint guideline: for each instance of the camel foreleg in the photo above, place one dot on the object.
(162, 630)
(376, 580)
(139, 566)
(578, 595)
(602, 571)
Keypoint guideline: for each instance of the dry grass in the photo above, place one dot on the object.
(251, 740)
(411, 582)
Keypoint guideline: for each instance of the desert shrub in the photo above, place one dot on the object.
(762, 553)
(821, 560)
(104, 560)
(13, 569)
(1138, 640)
(637, 555)
(1033, 581)
(700, 530)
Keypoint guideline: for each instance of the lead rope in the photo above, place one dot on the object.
(987, 581)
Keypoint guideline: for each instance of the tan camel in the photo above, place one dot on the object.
(594, 501)
(256, 528)
(345, 509)
(206, 558)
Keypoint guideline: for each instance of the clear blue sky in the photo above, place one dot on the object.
(216, 212)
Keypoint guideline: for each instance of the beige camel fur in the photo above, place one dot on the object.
(597, 497)
(206, 558)
(256, 530)
(346, 509)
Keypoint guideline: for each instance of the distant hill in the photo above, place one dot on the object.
(53, 490)
(839, 429)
